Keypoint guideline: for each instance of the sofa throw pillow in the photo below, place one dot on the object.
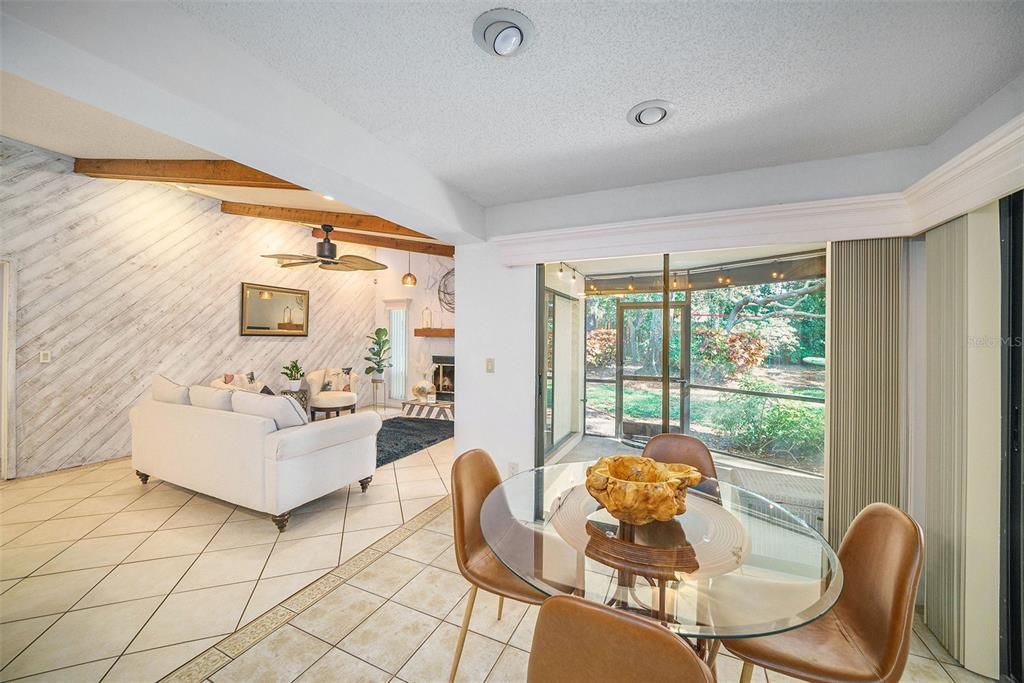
(208, 397)
(338, 380)
(267, 390)
(285, 411)
(166, 391)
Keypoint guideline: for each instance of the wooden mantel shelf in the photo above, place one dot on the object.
(434, 332)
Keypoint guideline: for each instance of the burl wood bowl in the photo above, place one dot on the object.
(638, 490)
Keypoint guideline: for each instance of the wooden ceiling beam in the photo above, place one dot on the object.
(356, 222)
(184, 171)
(433, 248)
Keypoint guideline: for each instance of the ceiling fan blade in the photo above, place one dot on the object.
(361, 263)
(336, 266)
(288, 257)
(295, 264)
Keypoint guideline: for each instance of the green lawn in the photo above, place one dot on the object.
(791, 430)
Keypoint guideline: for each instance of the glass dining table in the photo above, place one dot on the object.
(733, 565)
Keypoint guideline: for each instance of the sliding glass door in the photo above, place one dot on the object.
(560, 368)
(640, 382)
(740, 363)
(547, 363)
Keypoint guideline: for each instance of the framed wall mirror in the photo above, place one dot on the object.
(269, 311)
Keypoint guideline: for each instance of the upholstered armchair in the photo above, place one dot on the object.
(331, 390)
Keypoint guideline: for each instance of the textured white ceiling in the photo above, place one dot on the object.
(755, 84)
(48, 119)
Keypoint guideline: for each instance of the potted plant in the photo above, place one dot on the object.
(378, 351)
(293, 371)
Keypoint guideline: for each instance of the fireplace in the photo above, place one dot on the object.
(444, 377)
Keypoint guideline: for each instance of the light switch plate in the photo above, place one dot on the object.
(489, 365)
(45, 357)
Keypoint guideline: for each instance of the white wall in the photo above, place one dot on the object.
(495, 313)
(428, 271)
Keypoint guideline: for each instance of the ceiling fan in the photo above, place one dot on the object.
(327, 257)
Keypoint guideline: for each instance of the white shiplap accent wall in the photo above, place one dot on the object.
(121, 279)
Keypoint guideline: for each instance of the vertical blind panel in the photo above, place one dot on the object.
(946, 252)
(398, 334)
(867, 438)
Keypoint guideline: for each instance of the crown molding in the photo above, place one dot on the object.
(991, 168)
(883, 215)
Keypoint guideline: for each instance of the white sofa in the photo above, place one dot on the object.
(245, 458)
(334, 400)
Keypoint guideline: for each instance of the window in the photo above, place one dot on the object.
(399, 343)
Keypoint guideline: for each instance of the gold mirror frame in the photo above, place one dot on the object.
(289, 317)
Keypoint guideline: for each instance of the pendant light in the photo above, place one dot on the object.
(409, 280)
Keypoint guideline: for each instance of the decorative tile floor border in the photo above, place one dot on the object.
(234, 645)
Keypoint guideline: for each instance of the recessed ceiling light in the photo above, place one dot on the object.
(327, 197)
(650, 113)
(502, 32)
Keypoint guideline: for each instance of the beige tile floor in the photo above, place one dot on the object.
(134, 590)
(102, 577)
(391, 614)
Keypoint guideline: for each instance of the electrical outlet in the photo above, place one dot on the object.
(45, 357)
(489, 366)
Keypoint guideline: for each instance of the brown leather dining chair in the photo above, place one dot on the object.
(866, 635)
(683, 449)
(474, 476)
(576, 640)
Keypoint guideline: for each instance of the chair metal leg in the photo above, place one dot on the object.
(713, 651)
(462, 634)
(713, 658)
(747, 673)
(501, 605)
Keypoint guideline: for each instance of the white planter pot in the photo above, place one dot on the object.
(294, 384)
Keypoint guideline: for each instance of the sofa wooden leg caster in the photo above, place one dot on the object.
(281, 520)
(365, 483)
(143, 477)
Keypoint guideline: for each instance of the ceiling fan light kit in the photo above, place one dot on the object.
(325, 249)
(327, 257)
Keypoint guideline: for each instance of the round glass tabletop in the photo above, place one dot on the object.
(734, 565)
